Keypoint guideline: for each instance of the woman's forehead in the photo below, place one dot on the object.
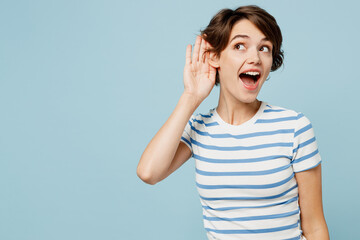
(247, 30)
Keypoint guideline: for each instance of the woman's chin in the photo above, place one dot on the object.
(250, 100)
(248, 97)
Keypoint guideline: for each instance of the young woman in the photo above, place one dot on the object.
(258, 168)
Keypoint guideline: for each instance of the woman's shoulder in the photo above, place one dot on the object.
(270, 108)
(204, 118)
(286, 115)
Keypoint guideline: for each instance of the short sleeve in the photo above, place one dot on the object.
(187, 133)
(305, 149)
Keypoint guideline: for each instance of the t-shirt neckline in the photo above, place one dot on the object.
(248, 123)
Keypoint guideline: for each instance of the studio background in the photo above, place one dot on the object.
(85, 85)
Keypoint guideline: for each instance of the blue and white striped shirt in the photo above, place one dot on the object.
(245, 174)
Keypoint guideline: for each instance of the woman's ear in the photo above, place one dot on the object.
(213, 60)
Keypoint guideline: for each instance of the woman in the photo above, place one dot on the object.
(258, 169)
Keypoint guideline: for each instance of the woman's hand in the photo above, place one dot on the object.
(199, 75)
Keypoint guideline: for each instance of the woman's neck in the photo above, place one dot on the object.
(236, 112)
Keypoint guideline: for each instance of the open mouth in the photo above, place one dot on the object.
(250, 78)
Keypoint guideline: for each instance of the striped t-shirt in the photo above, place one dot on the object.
(245, 173)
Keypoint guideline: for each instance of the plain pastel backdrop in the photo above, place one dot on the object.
(85, 85)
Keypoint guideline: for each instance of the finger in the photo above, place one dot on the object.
(212, 71)
(195, 57)
(205, 68)
(207, 47)
(207, 64)
(202, 49)
(188, 55)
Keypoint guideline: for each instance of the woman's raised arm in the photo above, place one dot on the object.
(165, 153)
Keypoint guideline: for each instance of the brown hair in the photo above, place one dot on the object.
(217, 33)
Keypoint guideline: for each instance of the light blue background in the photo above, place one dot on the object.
(85, 85)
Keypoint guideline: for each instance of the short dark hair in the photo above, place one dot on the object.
(217, 33)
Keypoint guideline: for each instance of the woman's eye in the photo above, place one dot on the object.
(239, 46)
(265, 49)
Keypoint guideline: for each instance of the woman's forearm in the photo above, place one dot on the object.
(157, 157)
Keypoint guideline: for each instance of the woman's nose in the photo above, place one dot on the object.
(253, 57)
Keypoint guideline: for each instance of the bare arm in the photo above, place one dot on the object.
(310, 200)
(165, 153)
(156, 159)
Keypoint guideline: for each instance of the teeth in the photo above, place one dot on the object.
(252, 73)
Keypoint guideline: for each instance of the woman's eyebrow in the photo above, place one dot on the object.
(246, 36)
(239, 36)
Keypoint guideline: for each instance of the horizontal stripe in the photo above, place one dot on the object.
(235, 160)
(274, 110)
(190, 123)
(306, 156)
(294, 199)
(301, 145)
(310, 167)
(304, 129)
(249, 198)
(206, 124)
(206, 115)
(241, 136)
(300, 115)
(283, 119)
(253, 218)
(211, 124)
(252, 231)
(185, 140)
(236, 148)
(247, 173)
(260, 186)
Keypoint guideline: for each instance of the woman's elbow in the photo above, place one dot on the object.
(145, 176)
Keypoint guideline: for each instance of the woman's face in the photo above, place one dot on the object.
(245, 63)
